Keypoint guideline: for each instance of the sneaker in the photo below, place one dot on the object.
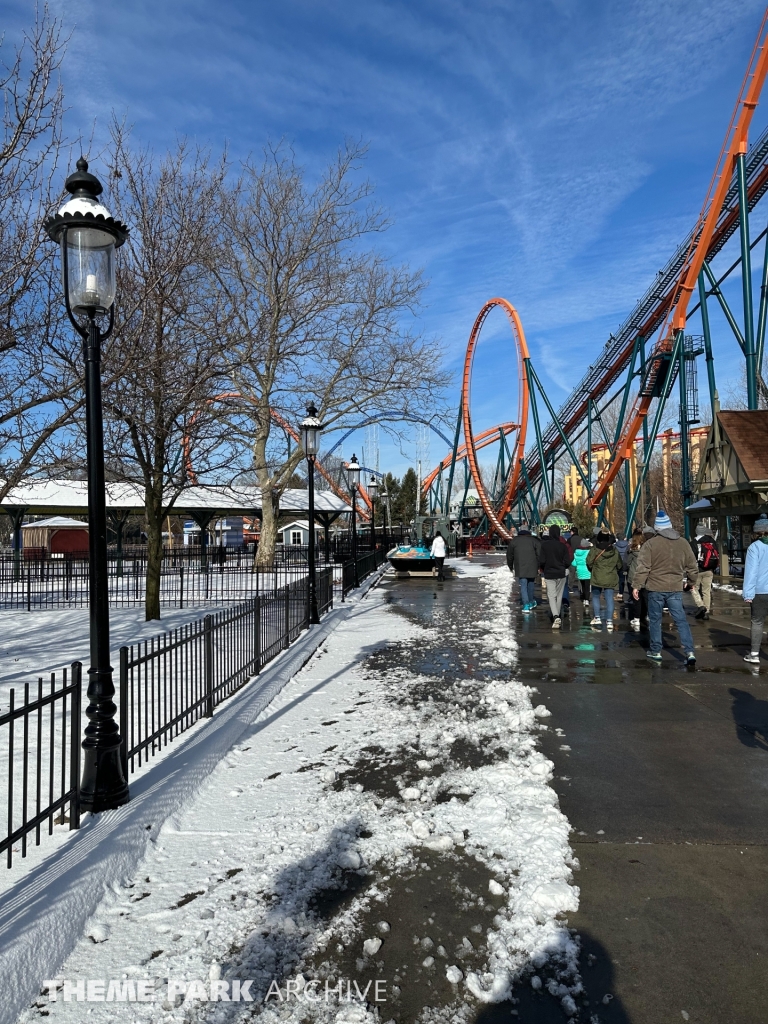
(556, 622)
(586, 604)
(653, 655)
(635, 624)
(705, 616)
(690, 658)
(753, 657)
(596, 622)
(609, 626)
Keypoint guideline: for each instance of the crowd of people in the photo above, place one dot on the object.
(649, 571)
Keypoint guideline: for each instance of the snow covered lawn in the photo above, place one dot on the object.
(403, 755)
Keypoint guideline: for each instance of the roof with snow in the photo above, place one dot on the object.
(56, 523)
(70, 497)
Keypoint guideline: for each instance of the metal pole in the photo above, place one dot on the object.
(746, 281)
(589, 446)
(685, 476)
(710, 359)
(104, 785)
(537, 428)
(314, 616)
(763, 311)
(354, 534)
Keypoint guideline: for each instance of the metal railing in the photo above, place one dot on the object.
(168, 683)
(40, 760)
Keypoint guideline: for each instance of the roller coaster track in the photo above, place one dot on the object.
(665, 301)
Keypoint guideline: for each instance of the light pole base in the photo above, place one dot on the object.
(103, 786)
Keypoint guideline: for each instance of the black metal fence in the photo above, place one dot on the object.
(40, 760)
(46, 584)
(166, 684)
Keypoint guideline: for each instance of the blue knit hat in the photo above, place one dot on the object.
(662, 521)
(761, 525)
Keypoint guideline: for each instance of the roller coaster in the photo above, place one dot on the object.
(524, 479)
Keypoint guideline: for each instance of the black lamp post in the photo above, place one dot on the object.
(310, 442)
(373, 490)
(353, 478)
(88, 236)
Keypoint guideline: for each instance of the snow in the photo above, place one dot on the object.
(196, 868)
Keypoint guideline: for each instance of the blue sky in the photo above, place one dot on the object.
(551, 152)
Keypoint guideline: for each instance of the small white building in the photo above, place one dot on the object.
(296, 534)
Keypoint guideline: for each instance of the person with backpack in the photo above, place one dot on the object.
(554, 561)
(583, 574)
(665, 560)
(604, 563)
(622, 546)
(708, 560)
(755, 589)
(523, 560)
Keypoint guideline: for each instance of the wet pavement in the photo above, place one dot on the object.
(663, 773)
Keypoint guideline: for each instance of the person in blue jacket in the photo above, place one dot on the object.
(755, 590)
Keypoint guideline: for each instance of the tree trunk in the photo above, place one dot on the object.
(270, 513)
(154, 563)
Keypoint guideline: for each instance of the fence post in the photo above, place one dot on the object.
(287, 638)
(124, 710)
(208, 637)
(74, 746)
(181, 586)
(29, 586)
(257, 601)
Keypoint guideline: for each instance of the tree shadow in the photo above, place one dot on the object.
(597, 1003)
(751, 717)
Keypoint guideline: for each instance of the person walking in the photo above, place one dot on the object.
(574, 542)
(755, 591)
(622, 546)
(579, 566)
(708, 561)
(523, 560)
(604, 563)
(638, 608)
(665, 560)
(554, 561)
(438, 552)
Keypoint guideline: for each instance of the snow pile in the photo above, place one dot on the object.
(372, 755)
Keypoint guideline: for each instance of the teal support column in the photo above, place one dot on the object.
(763, 311)
(675, 355)
(746, 282)
(537, 427)
(685, 481)
(532, 496)
(710, 359)
(453, 458)
(589, 446)
(534, 379)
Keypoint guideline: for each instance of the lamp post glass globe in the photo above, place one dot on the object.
(88, 235)
(353, 473)
(310, 432)
(373, 488)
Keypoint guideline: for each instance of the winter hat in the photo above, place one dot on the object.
(761, 525)
(662, 521)
(604, 539)
(585, 543)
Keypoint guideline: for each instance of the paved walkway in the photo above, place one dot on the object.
(663, 774)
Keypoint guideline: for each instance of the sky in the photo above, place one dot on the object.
(554, 153)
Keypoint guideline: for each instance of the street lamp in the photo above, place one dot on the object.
(88, 236)
(310, 442)
(353, 479)
(373, 490)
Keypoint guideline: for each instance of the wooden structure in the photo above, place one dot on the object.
(733, 476)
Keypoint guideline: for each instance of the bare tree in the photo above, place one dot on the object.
(314, 314)
(165, 363)
(38, 379)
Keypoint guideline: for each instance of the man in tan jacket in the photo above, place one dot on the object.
(664, 562)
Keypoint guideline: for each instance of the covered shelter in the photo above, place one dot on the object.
(733, 477)
(58, 535)
(203, 504)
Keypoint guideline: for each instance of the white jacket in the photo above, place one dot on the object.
(439, 549)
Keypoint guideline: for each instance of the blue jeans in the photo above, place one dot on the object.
(526, 590)
(596, 592)
(674, 601)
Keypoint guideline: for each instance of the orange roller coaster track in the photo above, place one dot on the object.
(496, 515)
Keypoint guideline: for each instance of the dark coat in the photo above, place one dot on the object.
(555, 558)
(523, 556)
